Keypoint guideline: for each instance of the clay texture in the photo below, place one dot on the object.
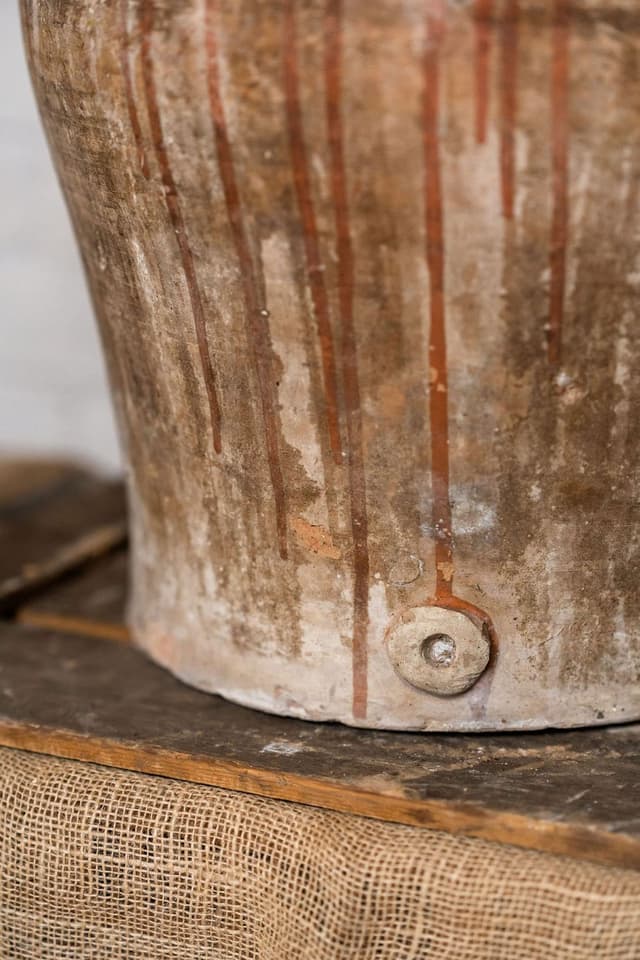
(367, 277)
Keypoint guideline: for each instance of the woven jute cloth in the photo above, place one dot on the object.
(102, 863)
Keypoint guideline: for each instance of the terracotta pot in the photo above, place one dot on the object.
(367, 277)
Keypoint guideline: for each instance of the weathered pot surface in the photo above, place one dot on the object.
(367, 278)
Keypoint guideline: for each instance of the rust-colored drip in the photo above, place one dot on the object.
(175, 215)
(300, 171)
(259, 334)
(442, 519)
(438, 377)
(351, 386)
(559, 162)
(132, 109)
(508, 104)
(483, 11)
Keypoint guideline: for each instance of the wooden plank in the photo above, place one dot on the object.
(54, 517)
(571, 792)
(90, 603)
(23, 480)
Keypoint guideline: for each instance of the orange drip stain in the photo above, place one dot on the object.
(438, 381)
(508, 104)
(442, 520)
(483, 12)
(259, 334)
(559, 163)
(351, 386)
(175, 215)
(132, 109)
(302, 185)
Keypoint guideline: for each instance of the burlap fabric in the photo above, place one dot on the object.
(101, 863)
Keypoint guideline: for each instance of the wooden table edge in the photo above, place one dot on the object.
(580, 842)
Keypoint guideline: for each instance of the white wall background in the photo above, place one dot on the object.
(53, 394)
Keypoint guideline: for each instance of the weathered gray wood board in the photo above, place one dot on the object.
(53, 518)
(573, 793)
(90, 603)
